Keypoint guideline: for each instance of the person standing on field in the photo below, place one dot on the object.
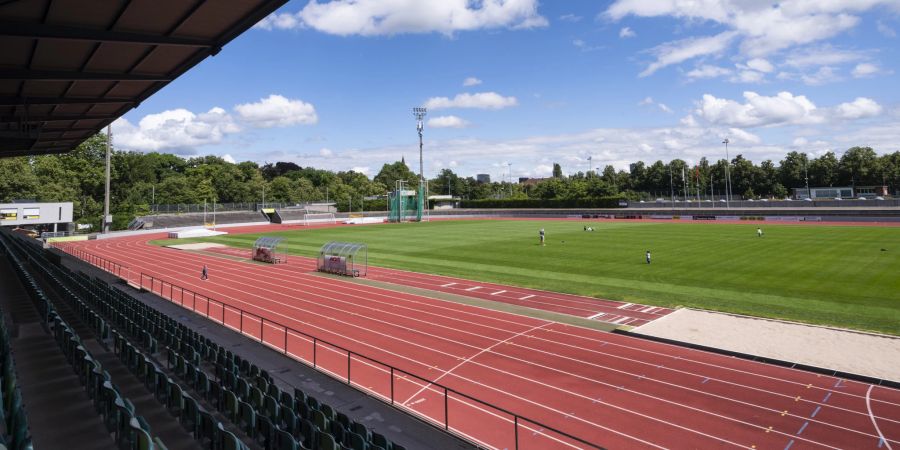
(759, 232)
(648, 256)
(542, 236)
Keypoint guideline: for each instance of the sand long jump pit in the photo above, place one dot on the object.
(862, 353)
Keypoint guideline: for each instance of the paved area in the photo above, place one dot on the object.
(869, 354)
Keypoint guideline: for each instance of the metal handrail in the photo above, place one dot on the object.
(537, 428)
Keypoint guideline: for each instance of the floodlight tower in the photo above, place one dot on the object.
(727, 176)
(420, 126)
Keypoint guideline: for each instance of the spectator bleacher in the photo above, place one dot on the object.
(221, 399)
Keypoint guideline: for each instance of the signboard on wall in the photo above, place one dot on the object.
(9, 214)
(31, 213)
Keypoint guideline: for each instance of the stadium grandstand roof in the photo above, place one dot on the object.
(68, 68)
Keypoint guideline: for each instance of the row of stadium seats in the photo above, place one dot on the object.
(13, 421)
(130, 430)
(244, 394)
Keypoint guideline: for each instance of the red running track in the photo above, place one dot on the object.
(619, 313)
(613, 390)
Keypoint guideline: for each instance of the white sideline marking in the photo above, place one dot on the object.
(872, 416)
(527, 297)
(498, 292)
(647, 309)
(597, 315)
(447, 285)
(625, 305)
(473, 288)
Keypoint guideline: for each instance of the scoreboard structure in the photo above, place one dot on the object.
(24, 214)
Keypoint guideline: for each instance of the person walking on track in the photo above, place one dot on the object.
(204, 273)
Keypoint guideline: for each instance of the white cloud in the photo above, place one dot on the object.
(570, 18)
(447, 122)
(865, 70)
(739, 136)
(779, 110)
(228, 158)
(325, 152)
(482, 100)
(471, 81)
(761, 28)
(760, 65)
(177, 130)
(649, 101)
(646, 101)
(277, 111)
(365, 170)
(825, 55)
(627, 32)
(380, 17)
(885, 30)
(758, 110)
(800, 142)
(664, 108)
(748, 76)
(858, 109)
(679, 51)
(822, 76)
(708, 71)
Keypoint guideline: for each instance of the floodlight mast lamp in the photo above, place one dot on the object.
(727, 176)
(420, 127)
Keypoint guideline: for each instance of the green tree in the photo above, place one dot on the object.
(557, 171)
(390, 173)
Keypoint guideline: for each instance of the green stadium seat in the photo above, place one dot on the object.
(190, 415)
(247, 418)
(271, 407)
(256, 397)
(358, 442)
(327, 410)
(319, 420)
(231, 405)
(381, 441)
(284, 441)
(327, 442)
(265, 429)
(175, 402)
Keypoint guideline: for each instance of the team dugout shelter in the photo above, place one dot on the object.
(344, 258)
(265, 250)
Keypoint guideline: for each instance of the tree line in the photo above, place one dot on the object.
(139, 180)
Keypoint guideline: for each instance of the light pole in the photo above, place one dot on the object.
(106, 197)
(588, 173)
(806, 176)
(727, 176)
(509, 164)
(419, 113)
(671, 186)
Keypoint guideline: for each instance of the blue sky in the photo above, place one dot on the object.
(332, 84)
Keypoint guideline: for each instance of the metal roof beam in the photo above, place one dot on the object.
(32, 30)
(21, 101)
(55, 118)
(62, 75)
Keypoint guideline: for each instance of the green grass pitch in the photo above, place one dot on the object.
(817, 274)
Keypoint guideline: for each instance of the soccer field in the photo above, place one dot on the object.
(818, 274)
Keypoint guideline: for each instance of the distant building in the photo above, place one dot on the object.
(823, 193)
(483, 178)
(443, 201)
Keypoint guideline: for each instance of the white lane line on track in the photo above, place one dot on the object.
(473, 288)
(597, 315)
(551, 341)
(480, 352)
(497, 293)
(448, 284)
(872, 417)
(579, 395)
(541, 405)
(650, 352)
(625, 306)
(526, 297)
